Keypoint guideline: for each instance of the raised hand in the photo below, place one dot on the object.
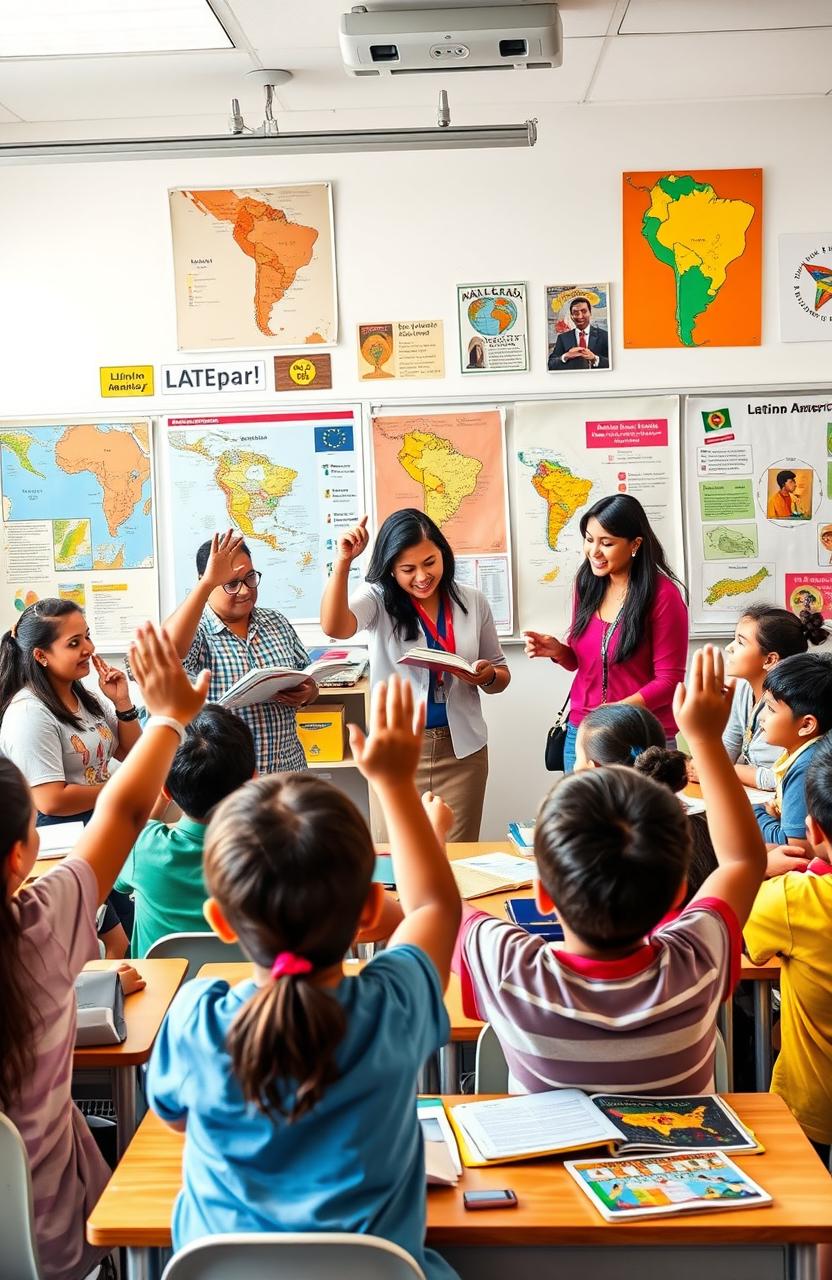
(354, 541)
(539, 645)
(159, 673)
(112, 682)
(222, 566)
(702, 705)
(389, 754)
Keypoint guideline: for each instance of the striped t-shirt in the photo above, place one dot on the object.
(57, 920)
(645, 1023)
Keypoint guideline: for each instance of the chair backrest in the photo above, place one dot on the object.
(279, 1256)
(490, 1066)
(197, 948)
(17, 1221)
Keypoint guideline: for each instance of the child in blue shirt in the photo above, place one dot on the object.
(296, 1088)
(797, 711)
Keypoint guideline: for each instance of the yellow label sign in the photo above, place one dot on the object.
(126, 380)
(302, 372)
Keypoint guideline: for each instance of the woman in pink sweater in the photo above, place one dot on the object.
(628, 641)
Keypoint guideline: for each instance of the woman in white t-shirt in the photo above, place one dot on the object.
(60, 736)
(412, 599)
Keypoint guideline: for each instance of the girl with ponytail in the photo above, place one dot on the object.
(763, 636)
(296, 1087)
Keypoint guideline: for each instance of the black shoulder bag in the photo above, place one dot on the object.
(556, 740)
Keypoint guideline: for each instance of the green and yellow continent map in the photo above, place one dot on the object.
(254, 267)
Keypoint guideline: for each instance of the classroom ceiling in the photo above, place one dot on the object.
(615, 51)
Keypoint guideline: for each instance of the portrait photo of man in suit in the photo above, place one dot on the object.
(585, 346)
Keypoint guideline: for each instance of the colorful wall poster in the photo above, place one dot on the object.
(401, 349)
(254, 267)
(565, 456)
(577, 327)
(693, 258)
(290, 482)
(78, 522)
(806, 288)
(452, 466)
(493, 328)
(759, 505)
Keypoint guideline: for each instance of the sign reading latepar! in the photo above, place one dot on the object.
(231, 375)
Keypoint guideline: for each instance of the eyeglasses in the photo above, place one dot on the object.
(251, 580)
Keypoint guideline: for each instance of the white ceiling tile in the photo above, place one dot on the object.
(654, 16)
(104, 88)
(78, 28)
(711, 66)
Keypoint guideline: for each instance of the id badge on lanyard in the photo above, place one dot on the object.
(446, 643)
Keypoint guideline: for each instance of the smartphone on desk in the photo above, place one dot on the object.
(503, 1199)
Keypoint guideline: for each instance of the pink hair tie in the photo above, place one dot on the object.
(288, 965)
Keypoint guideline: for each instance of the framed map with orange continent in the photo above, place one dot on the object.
(693, 258)
(254, 267)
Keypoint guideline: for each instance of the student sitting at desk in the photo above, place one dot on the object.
(47, 934)
(164, 869)
(615, 1011)
(792, 918)
(296, 1088)
(798, 712)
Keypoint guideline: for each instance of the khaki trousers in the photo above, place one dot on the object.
(460, 783)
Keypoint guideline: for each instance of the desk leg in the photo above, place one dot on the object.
(762, 1036)
(449, 1068)
(725, 1022)
(124, 1095)
(140, 1264)
(801, 1259)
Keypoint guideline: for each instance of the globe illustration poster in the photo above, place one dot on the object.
(491, 318)
(493, 329)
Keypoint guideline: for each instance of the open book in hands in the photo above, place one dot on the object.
(538, 1124)
(436, 660)
(263, 683)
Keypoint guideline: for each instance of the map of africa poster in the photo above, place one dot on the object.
(254, 267)
(693, 258)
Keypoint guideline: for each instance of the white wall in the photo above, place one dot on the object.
(86, 276)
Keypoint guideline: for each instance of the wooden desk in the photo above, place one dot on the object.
(554, 1231)
(143, 1011)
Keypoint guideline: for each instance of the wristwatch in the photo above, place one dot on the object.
(132, 713)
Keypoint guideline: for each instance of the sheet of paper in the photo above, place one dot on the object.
(57, 840)
(756, 796)
(534, 1123)
(499, 864)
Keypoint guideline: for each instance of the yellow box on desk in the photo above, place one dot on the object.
(321, 732)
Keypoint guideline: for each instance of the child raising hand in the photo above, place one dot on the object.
(296, 1087)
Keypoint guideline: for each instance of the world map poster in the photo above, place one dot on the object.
(254, 267)
(758, 506)
(452, 466)
(78, 506)
(565, 456)
(693, 258)
(289, 482)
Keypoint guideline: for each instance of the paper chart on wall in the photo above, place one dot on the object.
(759, 505)
(452, 466)
(78, 507)
(289, 482)
(568, 454)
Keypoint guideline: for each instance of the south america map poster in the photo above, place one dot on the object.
(692, 246)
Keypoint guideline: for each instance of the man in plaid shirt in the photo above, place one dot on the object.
(219, 627)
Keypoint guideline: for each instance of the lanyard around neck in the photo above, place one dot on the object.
(605, 644)
(446, 642)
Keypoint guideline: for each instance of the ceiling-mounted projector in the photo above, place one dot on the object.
(397, 42)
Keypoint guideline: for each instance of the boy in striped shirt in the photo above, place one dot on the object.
(629, 1004)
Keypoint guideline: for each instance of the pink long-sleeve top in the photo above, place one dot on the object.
(653, 670)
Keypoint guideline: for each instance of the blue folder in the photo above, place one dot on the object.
(526, 913)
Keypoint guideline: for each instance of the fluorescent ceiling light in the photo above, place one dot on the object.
(80, 28)
(250, 144)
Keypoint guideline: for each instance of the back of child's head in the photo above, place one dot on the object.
(289, 860)
(216, 758)
(17, 1023)
(612, 850)
(804, 683)
(620, 733)
(785, 633)
(819, 787)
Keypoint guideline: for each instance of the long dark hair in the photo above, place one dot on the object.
(784, 633)
(403, 529)
(18, 1023)
(289, 860)
(623, 517)
(36, 628)
(617, 732)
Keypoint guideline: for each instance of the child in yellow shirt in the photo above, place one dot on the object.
(792, 918)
